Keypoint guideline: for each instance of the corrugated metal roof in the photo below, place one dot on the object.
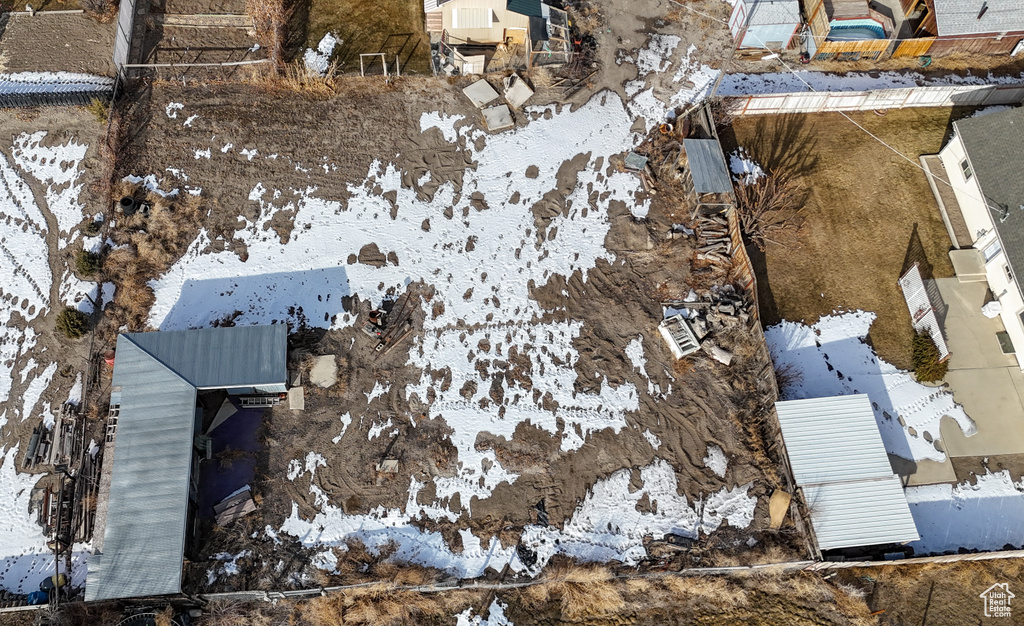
(144, 538)
(832, 439)
(862, 513)
(707, 165)
(960, 17)
(839, 461)
(772, 12)
(213, 358)
(530, 8)
(158, 375)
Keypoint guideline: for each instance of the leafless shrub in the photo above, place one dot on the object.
(787, 375)
(769, 207)
(269, 19)
(100, 10)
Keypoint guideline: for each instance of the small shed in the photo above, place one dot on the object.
(764, 24)
(707, 166)
(838, 460)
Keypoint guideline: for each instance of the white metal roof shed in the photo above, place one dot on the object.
(839, 461)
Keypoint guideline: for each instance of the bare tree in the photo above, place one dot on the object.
(769, 207)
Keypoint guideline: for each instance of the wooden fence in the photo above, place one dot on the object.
(913, 47)
(878, 99)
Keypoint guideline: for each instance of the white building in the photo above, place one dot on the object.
(984, 163)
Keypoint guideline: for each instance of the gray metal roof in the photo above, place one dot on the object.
(213, 358)
(707, 165)
(158, 375)
(960, 17)
(839, 461)
(995, 147)
(774, 12)
(862, 513)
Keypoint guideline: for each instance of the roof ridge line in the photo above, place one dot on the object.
(162, 363)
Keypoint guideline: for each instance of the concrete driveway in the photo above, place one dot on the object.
(988, 383)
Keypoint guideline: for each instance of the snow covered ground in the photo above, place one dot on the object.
(988, 515)
(482, 265)
(25, 287)
(790, 82)
(830, 358)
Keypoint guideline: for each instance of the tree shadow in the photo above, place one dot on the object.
(780, 143)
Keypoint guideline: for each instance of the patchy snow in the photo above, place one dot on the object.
(57, 167)
(318, 61)
(203, 154)
(495, 616)
(609, 526)
(831, 358)
(326, 560)
(25, 276)
(35, 390)
(191, 119)
(173, 108)
(635, 354)
(716, 460)
(229, 567)
(651, 438)
(77, 293)
(792, 82)
(988, 515)
(346, 421)
(744, 168)
(444, 123)
(657, 55)
(151, 184)
(377, 391)
(696, 80)
(606, 526)
(25, 559)
(378, 428)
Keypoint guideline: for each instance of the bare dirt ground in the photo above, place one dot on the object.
(617, 303)
(867, 212)
(56, 43)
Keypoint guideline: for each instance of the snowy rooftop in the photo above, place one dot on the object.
(838, 459)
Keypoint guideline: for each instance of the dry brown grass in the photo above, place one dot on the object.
(582, 590)
(297, 78)
(379, 604)
(165, 617)
(233, 613)
(841, 254)
(714, 590)
(154, 243)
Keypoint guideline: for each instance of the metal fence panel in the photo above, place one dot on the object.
(123, 36)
